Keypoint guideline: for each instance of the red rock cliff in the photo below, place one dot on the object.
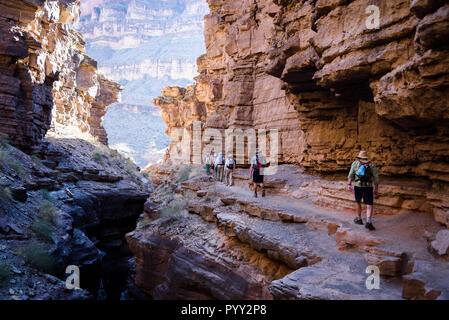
(332, 85)
(46, 78)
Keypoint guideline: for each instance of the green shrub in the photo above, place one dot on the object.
(172, 212)
(4, 140)
(37, 160)
(4, 157)
(131, 167)
(18, 168)
(37, 256)
(5, 194)
(47, 212)
(98, 157)
(5, 273)
(174, 208)
(46, 195)
(43, 229)
(196, 172)
(183, 173)
(164, 193)
(7, 161)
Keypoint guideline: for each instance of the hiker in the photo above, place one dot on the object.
(364, 173)
(255, 174)
(229, 170)
(212, 160)
(209, 162)
(218, 165)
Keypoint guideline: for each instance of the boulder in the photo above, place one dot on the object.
(441, 243)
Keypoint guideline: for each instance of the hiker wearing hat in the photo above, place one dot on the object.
(229, 170)
(364, 173)
(255, 172)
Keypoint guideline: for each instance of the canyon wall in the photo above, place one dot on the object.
(145, 45)
(331, 84)
(65, 197)
(46, 78)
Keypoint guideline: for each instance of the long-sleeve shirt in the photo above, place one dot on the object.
(219, 161)
(209, 160)
(352, 175)
(229, 162)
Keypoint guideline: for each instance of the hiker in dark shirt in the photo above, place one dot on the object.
(364, 173)
(256, 173)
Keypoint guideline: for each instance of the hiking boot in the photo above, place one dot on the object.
(358, 221)
(370, 226)
(263, 192)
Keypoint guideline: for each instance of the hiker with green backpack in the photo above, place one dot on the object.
(364, 173)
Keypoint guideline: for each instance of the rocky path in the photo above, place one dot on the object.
(328, 251)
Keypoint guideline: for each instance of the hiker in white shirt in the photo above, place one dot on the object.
(218, 167)
(229, 170)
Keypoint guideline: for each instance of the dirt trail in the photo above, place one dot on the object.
(403, 232)
(399, 246)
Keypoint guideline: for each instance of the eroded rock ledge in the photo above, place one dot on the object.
(65, 199)
(71, 203)
(331, 86)
(199, 239)
(46, 78)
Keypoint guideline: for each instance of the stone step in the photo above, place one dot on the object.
(287, 211)
(299, 246)
(332, 282)
(428, 280)
(313, 251)
(302, 235)
(289, 246)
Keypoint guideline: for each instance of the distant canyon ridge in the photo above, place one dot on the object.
(144, 45)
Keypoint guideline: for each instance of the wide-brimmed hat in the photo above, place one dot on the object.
(363, 155)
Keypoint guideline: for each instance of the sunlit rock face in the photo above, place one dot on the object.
(47, 80)
(332, 85)
(145, 45)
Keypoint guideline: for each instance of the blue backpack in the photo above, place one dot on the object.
(365, 173)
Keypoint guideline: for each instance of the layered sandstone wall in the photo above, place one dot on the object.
(47, 80)
(145, 45)
(331, 85)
